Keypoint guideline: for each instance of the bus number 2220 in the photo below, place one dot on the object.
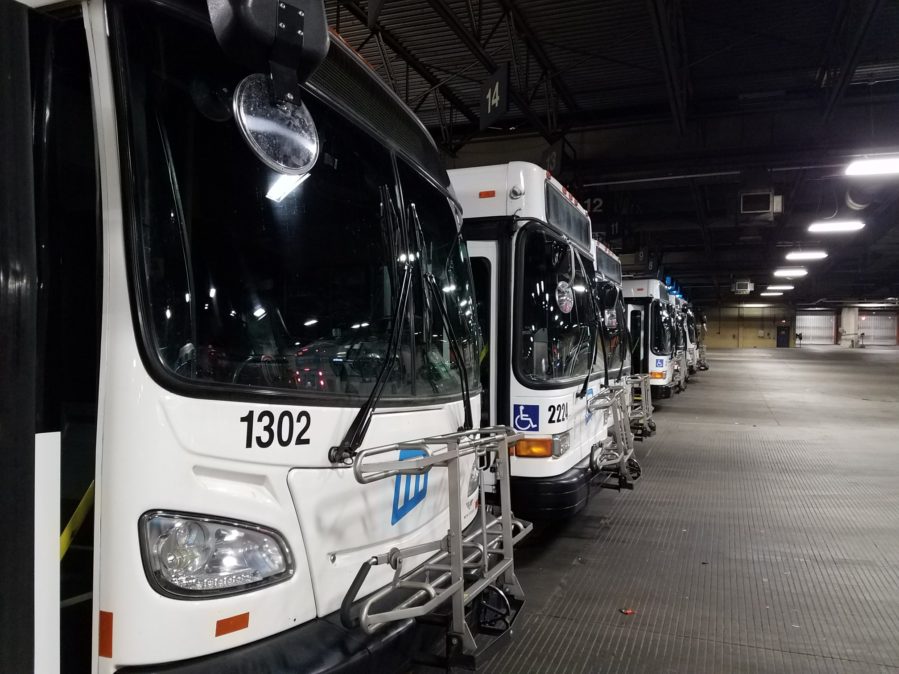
(284, 430)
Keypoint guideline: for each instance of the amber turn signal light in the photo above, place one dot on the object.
(656, 375)
(534, 447)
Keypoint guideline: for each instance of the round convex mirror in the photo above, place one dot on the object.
(564, 297)
(281, 134)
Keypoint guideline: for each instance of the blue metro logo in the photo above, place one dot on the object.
(408, 490)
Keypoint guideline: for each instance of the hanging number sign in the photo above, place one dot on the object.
(495, 96)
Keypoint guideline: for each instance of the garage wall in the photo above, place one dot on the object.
(879, 327)
(747, 328)
(817, 327)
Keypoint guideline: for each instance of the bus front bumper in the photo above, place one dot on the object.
(319, 646)
(543, 498)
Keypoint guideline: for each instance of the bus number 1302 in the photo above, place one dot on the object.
(285, 431)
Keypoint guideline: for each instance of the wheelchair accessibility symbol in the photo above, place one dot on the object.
(527, 417)
(660, 362)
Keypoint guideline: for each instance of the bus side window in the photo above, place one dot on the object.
(68, 238)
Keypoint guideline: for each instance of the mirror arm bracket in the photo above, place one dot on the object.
(286, 50)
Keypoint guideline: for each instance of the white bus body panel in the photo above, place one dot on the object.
(653, 289)
(158, 450)
(585, 430)
(472, 185)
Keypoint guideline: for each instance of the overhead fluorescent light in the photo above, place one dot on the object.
(872, 305)
(755, 306)
(284, 185)
(311, 321)
(806, 255)
(826, 226)
(873, 167)
(767, 294)
(778, 287)
(790, 272)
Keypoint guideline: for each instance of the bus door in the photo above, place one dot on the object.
(636, 328)
(484, 270)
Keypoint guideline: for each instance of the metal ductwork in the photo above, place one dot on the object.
(859, 197)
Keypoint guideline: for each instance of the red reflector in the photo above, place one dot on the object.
(232, 624)
(487, 194)
(104, 649)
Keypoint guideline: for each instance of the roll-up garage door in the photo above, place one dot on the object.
(879, 327)
(817, 327)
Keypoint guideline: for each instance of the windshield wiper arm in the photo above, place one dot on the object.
(431, 282)
(468, 424)
(357, 430)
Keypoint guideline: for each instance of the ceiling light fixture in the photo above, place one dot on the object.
(829, 226)
(790, 272)
(767, 294)
(778, 287)
(873, 167)
(806, 255)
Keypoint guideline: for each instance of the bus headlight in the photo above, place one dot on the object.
(194, 556)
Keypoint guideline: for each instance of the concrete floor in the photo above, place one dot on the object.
(763, 537)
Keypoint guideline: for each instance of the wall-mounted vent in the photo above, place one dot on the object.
(752, 203)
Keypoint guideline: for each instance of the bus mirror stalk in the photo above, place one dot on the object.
(287, 38)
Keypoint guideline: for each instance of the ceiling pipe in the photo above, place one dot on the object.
(713, 174)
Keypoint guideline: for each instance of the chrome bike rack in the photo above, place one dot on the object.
(640, 409)
(701, 362)
(465, 563)
(680, 372)
(616, 455)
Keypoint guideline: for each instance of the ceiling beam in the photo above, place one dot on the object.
(536, 48)
(668, 27)
(473, 45)
(414, 62)
(853, 55)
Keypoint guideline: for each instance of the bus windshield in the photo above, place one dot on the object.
(253, 280)
(554, 310)
(661, 329)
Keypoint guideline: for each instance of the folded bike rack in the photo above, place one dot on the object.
(640, 409)
(465, 563)
(616, 454)
(680, 372)
(701, 362)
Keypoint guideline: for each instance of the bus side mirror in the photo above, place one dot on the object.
(287, 38)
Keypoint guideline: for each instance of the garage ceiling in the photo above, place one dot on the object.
(666, 111)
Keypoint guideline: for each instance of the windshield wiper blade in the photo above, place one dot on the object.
(431, 282)
(468, 424)
(357, 430)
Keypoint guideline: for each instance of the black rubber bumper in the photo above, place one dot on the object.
(543, 498)
(321, 645)
(660, 392)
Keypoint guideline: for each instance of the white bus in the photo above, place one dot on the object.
(652, 333)
(688, 319)
(234, 295)
(533, 262)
